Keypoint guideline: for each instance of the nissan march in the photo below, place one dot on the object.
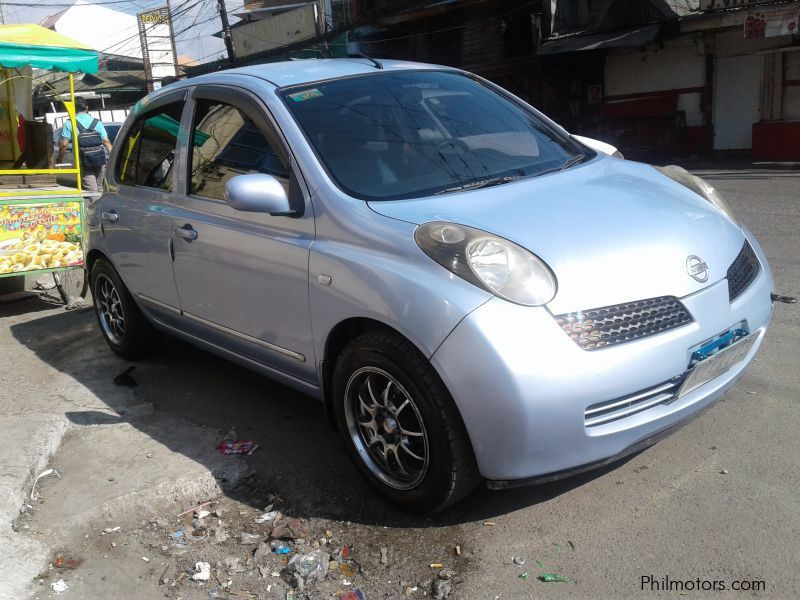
(472, 293)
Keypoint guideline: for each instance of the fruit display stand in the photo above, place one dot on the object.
(40, 220)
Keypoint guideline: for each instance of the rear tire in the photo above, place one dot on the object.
(400, 424)
(126, 330)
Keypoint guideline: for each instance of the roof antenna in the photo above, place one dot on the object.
(377, 64)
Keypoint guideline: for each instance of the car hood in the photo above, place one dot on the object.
(611, 230)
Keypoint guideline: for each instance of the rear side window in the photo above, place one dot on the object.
(147, 154)
(227, 143)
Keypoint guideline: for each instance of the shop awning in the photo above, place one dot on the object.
(624, 38)
(24, 45)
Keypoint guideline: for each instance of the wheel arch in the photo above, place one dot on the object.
(91, 258)
(337, 340)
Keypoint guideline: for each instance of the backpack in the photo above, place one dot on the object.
(92, 153)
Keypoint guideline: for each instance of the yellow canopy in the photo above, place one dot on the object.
(28, 44)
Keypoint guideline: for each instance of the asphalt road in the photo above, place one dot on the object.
(715, 502)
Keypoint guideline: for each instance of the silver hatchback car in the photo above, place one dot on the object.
(473, 293)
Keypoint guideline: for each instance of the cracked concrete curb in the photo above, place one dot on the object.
(29, 443)
(86, 456)
(112, 472)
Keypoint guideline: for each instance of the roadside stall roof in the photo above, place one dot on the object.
(23, 45)
(625, 38)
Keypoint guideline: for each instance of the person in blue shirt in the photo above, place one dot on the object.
(91, 177)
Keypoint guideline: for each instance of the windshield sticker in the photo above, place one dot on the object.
(305, 95)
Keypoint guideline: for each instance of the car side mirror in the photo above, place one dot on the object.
(258, 192)
(598, 145)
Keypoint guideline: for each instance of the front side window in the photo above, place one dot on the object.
(147, 153)
(227, 143)
(407, 134)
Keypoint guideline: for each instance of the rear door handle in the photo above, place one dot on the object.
(111, 216)
(186, 232)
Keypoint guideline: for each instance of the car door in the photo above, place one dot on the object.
(242, 277)
(135, 219)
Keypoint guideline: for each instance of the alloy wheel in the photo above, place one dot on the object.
(386, 428)
(109, 309)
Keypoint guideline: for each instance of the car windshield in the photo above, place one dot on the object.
(397, 135)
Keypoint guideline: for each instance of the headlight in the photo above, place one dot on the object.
(699, 187)
(501, 267)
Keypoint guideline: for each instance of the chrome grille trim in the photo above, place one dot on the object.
(742, 272)
(628, 400)
(620, 408)
(610, 325)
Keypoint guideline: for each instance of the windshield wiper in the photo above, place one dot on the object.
(572, 161)
(481, 183)
(565, 165)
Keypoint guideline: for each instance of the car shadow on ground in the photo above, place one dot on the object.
(300, 457)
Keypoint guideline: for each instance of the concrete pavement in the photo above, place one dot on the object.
(670, 511)
(60, 408)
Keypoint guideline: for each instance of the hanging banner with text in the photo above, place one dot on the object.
(39, 235)
(772, 22)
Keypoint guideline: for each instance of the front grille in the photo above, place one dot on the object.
(620, 408)
(611, 325)
(742, 272)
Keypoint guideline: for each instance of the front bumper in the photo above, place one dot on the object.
(522, 385)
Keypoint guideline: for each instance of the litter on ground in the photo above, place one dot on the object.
(228, 447)
(202, 571)
(552, 578)
(191, 510)
(45, 473)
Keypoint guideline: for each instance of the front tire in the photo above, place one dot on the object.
(400, 423)
(126, 330)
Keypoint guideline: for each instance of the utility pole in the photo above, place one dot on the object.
(226, 31)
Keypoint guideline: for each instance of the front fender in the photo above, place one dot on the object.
(392, 282)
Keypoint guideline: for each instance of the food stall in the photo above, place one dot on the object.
(40, 219)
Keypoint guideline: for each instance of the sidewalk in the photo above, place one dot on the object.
(59, 407)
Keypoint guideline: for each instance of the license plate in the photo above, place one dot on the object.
(716, 365)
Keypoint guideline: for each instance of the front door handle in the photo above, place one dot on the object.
(110, 216)
(186, 232)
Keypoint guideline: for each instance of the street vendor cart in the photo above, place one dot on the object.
(40, 219)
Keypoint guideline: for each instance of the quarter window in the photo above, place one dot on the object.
(227, 143)
(147, 155)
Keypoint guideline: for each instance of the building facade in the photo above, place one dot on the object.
(494, 38)
(679, 76)
(657, 78)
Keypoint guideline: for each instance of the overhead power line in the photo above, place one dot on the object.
(176, 12)
(68, 5)
(368, 18)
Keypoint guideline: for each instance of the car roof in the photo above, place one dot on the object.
(297, 72)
